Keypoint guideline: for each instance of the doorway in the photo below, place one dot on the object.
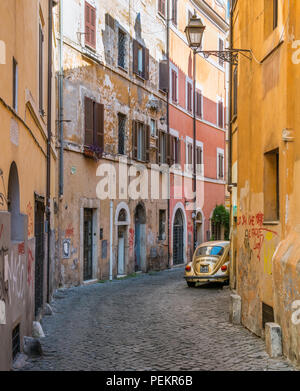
(140, 238)
(88, 245)
(199, 228)
(178, 238)
(121, 250)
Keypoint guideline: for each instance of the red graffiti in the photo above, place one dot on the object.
(29, 266)
(259, 219)
(21, 248)
(1, 230)
(69, 231)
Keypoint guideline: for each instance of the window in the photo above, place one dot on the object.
(271, 185)
(199, 104)
(153, 127)
(140, 141)
(90, 25)
(162, 7)
(174, 12)
(220, 114)
(121, 132)
(121, 48)
(189, 96)
(221, 49)
(174, 85)
(175, 150)
(275, 14)
(15, 84)
(163, 147)
(41, 73)
(199, 157)
(94, 123)
(235, 91)
(220, 164)
(189, 156)
(163, 76)
(162, 224)
(140, 60)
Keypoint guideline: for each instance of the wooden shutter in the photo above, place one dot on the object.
(146, 63)
(99, 124)
(134, 139)
(88, 121)
(163, 76)
(147, 143)
(178, 144)
(220, 107)
(169, 157)
(90, 25)
(162, 7)
(135, 56)
(174, 86)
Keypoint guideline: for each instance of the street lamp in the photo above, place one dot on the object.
(194, 34)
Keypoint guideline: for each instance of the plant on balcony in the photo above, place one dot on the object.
(93, 151)
(221, 216)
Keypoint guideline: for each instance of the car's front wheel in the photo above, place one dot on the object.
(191, 284)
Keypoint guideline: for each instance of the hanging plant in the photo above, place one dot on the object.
(221, 216)
(93, 151)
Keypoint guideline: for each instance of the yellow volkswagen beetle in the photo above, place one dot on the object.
(210, 263)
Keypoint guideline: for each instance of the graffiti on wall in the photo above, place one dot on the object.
(260, 237)
(69, 231)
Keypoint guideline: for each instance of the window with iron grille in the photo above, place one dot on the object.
(153, 127)
(121, 48)
(162, 7)
(174, 86)
(215, 231)
(174, 12)
(140, 141)
(121, 126)
(140, 60)
(189, 89)
(15, 341)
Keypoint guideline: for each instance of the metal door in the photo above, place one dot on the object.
(39, 254)
(178, 239)
(121, 253)
(137, 246)
(88, 245)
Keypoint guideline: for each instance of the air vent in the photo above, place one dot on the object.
(16, 341)
(267, 314)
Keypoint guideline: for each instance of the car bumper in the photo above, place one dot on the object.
(206, 278)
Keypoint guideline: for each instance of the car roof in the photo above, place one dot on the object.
(222, 243)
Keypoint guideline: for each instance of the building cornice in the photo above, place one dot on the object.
(211, 14)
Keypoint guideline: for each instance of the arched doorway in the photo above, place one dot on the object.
(178, 238)
(199, 228)
(140, 238)
(17, 231)
(122, 239)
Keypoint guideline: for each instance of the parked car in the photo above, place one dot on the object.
(210, 263)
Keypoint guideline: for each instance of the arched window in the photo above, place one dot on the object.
(17, 220)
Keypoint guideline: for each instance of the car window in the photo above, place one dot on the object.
(210, 250)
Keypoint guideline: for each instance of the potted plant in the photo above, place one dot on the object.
(93, 151)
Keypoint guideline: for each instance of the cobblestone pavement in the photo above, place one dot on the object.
(150, 322)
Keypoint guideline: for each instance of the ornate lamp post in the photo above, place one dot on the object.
(194, 34)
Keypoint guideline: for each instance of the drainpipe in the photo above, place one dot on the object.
(230, 106)
(168, 116)
(111, 241)
(61, 107)
(49, 134)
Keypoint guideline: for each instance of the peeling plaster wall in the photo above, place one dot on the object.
(96, 74)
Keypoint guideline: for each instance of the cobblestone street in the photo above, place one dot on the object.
(150, 322)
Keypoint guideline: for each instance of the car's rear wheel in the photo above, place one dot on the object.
(191, 284)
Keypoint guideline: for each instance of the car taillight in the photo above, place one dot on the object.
(188, 268)
(224, 268)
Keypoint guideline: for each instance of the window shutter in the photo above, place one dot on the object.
(178, 151)
(93, 27)
(163, 76)
(135, 56)
(88, 121)
(87, 23)
(147, 143)
(146, 63)
(134, 139)
(169, 157)
(220, 106)
(99, 125)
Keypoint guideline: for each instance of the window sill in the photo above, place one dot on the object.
(139, 77)
(91, 48)
(123, 69)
